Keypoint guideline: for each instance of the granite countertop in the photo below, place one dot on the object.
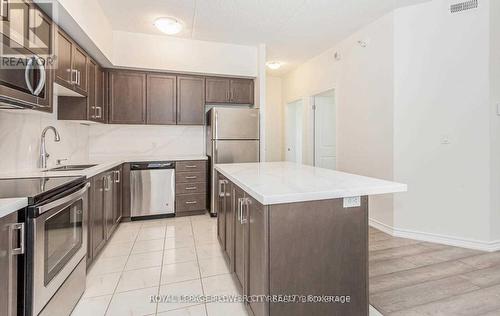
(287, 182)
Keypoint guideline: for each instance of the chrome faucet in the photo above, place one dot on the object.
(43, 149)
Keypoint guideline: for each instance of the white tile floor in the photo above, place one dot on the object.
(176, 256)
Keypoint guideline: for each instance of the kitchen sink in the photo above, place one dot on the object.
(72, 168)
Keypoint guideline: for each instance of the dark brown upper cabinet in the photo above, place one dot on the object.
(161, 99)
(93, 107)
(229, 90)
(127, 97)
(71, 71)
(80, 69)
(190, 100)
(242, 91)
(101, 96)
(218, 90)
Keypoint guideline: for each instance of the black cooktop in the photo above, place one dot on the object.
(37, 189)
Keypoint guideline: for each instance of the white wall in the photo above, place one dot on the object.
(495, 118)
(183, 55)
(135, 140)
(90, 17)
(441, 90)
(363, 82)
(20, 133)
(274, 120)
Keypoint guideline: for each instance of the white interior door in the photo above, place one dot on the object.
(293, 149)
(325, 131)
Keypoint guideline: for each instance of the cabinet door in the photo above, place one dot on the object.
(240, 236)
(161, 99)
(98, 220)
(229, 220)
(221, 209)
(108, 203)
(101, 96)
(255, 215)
(80, 69)
(40, 32)
(127, 98)
(64, 49)
(242, 91)
(190, 100)
(117, 196)
(16, 27)
(9, 263)
(92, 89)
(217, 90)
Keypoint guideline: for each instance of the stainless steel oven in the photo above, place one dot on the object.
(57, 234)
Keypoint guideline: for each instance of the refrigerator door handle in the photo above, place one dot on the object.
(216, 122)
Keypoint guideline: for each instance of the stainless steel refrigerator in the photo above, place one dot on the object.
(232, 137)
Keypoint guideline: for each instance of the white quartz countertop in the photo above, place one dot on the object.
(287, 182)
(8, 206)
(101, 164)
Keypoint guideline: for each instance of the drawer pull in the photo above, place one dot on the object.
(191, 202)
(192, 177)
(191, 188)
(190, 166)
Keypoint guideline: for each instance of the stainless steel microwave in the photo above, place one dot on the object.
(24, 78)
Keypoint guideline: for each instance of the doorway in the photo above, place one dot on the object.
(325, 130)
(293, 149)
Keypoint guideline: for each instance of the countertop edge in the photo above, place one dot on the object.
(317, 196)
(11, 205)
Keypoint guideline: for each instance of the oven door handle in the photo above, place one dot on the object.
(44, 208)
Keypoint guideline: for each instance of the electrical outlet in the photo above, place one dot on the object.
(353, 201)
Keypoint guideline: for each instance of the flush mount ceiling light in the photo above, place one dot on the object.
(168, 25)
(274, 65)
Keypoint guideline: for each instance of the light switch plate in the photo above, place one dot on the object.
(353, 201)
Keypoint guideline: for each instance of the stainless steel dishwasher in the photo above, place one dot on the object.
(152, 189)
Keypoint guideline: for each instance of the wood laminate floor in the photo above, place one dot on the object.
(409, 277)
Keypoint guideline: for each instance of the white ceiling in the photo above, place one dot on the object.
(293, 30)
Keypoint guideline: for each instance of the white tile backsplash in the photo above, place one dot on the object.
(132, 140)
(20, 132)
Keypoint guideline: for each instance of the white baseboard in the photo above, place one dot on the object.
(489, 246)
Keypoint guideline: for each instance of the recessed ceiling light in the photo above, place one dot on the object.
(274, 65)
(168, 25)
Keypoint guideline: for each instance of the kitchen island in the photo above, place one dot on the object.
(296, 236)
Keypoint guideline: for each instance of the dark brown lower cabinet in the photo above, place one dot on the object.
(105, 210)
(240, 232)
(316, 248)
(97, 228)
(221, 210)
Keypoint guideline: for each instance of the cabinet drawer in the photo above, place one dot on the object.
(189, 188)
(190, 166)
(190, 177)
(190, 202)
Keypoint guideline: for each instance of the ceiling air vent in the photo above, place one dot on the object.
(463, 6)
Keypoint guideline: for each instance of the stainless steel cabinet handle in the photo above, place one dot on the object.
(77, 77)
(191, 188)
(222, 192)
(99, 112)
(117, 176)
(18, 227)
(190, 166)
(73, 73)
(94, 111)
(191, 202)
(240, 210)
(4, 10)
(191, 177)
(244, 203)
